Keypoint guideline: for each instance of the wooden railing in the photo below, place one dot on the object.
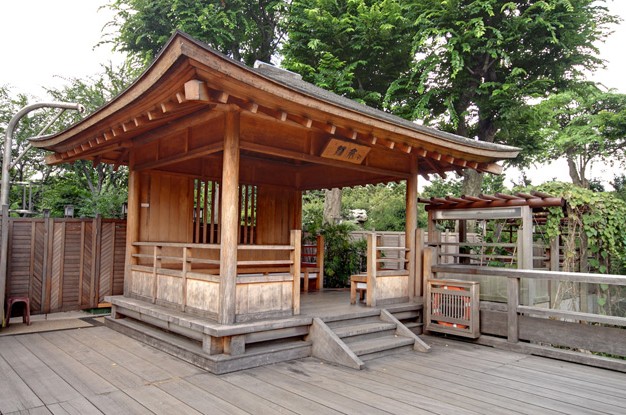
(385, 285)
(538, 325)
(187, 276)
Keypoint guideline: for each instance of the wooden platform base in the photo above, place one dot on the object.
(191, 351)
(348, 338)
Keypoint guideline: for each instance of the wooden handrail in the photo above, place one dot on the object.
(532, 273)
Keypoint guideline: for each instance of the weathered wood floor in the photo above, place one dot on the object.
(96, 370)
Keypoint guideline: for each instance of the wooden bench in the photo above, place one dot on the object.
(312, 264)
(358, 283)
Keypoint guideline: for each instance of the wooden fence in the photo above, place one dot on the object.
(65, 264)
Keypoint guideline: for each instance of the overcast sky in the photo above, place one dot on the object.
(44, 42)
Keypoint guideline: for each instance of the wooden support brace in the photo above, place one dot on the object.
(235, 345)
(196, 90)
(212, 345)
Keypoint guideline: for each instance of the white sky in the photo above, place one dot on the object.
(44, 41)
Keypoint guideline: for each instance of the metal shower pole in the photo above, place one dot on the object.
(4, 189)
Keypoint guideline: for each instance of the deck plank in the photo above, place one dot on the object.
(199, 399)
(374, 386)
(172, 365)
(103, 366)
(147, 370)
(79, 406)
(116, 403)
(459, 387)
(96, 370)
(522, 388)
(296, 403)
(15, 395)
(235, 395)
(44, 383)
(158, 401)
(279, 377)
(84, 380)
(40, 410)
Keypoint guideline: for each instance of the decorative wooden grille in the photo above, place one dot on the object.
(452, 307)
(206, 215)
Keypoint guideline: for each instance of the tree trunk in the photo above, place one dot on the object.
(578, 179)
(332, 206)
(472, 182)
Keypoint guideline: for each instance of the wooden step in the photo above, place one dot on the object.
(354, 321)
(406, 315)
(370, 330)
(383, 346)
(258, 354)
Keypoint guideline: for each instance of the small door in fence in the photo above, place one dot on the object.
(452, 307)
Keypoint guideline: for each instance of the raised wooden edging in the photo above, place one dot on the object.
(529, 329)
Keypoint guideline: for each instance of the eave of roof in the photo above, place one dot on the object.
(183, 49)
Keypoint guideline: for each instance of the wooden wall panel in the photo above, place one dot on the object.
(20, 235)
(277, 208)
(166, 208)
(65, 264)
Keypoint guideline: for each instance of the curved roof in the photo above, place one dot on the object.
(189, 83)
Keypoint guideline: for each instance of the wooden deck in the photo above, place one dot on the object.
(97, 370)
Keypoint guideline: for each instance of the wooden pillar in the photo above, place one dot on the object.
(320, 262)
(132, 221)
(295, 239)
(372, 266)
(411, 225)
(229, 222)
(418, 257)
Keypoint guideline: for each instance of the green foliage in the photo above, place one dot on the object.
(602, 218)
(245, 30)
(312, 210)
(619, 184)
(90, 189)
(385, 205)
(355, 48)
(584, 124)
(479, 61)
(342, 256)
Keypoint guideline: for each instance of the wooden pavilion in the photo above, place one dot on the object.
(218, 156)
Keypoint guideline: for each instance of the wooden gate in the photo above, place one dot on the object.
(65, 264)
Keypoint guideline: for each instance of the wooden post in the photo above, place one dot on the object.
(513, 303)
(371, 269)
(46, 302)
(320, 262)
(4, 260)
(229, 223)
(296, 255)
(186, 269)
(418, 254)
(411, 225)
(526, 237)
(132, 221)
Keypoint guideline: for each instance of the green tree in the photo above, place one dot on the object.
(478, 61)
(31, 167)
(585, 125)
(244, 30)
(355, 48)
(91, 188)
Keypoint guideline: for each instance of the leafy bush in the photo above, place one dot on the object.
(342, 256)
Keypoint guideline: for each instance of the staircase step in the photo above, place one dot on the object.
(191, 351)
(353, 333)
(374, 348)
(355, 321)
(405, 315)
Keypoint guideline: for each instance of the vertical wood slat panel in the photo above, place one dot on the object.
(64, 264)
